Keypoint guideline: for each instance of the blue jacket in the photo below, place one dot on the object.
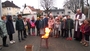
(41, 24)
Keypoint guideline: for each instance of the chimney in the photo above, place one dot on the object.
(11, 1)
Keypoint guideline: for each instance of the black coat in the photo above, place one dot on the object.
(37, 24)
(9, 25)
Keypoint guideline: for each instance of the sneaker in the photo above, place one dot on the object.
(81, 42)
(70, 38)
(11, 42)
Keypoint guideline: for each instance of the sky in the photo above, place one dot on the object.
(36, 3)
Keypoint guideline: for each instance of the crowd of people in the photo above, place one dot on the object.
(60, 27)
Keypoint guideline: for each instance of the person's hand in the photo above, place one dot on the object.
(76, 19)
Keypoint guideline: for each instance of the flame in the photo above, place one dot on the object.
(47, 30)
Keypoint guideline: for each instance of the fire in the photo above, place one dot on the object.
(47, 30)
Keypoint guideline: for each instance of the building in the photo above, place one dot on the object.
(30, 11)
(9, 8)
(62, 12)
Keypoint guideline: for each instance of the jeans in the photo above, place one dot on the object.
(20, 34)
(10, 37)
(69, 31)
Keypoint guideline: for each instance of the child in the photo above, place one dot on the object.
(69, 27)
(87, 32)
(33, 26)
(63, 27)
(56, 27)
(82, 30)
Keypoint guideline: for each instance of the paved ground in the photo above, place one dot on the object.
(55, 44)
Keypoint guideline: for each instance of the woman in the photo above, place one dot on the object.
(10, 28)
(4, 30)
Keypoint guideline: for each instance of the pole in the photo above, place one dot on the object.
(89, 12)
(0, 9)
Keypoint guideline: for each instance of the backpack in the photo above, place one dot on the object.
(32, 24)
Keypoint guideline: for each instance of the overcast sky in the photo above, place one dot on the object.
(36, 3)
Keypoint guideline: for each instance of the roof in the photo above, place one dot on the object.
(32, 8)
(55, 10)
(37, 10)
(9, 4)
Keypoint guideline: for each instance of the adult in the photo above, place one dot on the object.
(10, 28)
(3, 30)
(20, 27)
(79, 17)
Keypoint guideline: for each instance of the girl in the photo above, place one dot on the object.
(87, 32)
(57, 26)
(10, 28)
(82, 30)
(33, 26)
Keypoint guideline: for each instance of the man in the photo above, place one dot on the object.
(3, 30)
(79, 17)
(20, 27)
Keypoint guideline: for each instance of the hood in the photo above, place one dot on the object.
(9, 18)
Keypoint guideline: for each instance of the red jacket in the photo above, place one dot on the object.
(82, 28)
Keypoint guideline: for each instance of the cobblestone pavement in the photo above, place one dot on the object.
(55, 44)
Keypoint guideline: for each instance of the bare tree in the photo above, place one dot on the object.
(46, 4)
(73, 4)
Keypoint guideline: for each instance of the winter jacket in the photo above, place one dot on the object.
(9, 25)
(3, 28)
(19, 24)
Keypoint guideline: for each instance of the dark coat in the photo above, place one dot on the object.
(19, 24)
(9, 25)
(69, 24)
(41, 24)
(37, 24)
(45, 22)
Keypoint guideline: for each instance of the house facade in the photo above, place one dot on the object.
(9, 8)
(56, 12)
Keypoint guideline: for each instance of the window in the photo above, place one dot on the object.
(62, 12)
(57, 12)
(8, 8)
(69, 12)
(68, 7)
